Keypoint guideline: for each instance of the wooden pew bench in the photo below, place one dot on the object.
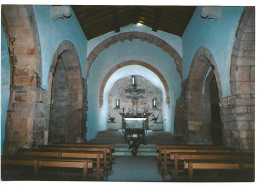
(106, 152)
(109, 146)
(177, 157)
(58, 163)
(95, 156)
(164, 156)
(216, 165)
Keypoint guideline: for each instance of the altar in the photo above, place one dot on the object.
(134, 127)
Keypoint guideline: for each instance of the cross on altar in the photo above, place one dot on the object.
(135, 94)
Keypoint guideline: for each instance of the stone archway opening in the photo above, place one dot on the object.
(65, 96)
(143, 97)
(216, 125)
(199, 121)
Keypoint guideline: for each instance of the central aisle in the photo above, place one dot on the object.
(140, 168)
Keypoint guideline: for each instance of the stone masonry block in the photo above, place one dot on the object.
(252, 74)
(240, 109)
(20, 124)
(21, 97)
(245, 87)
(242, 74)
(249, 53)
(242, 125)
(247, 45)
(247, 134)
(245, 117)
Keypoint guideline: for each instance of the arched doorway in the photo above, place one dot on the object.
(65, 96)
(216, 125)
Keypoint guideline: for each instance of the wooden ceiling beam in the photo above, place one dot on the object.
(157, 19)
(116, 19)
(135, 14)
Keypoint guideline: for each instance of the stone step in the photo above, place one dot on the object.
(121, 149)
(141, 146)
(138, 153)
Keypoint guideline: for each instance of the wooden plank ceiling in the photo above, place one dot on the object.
(98, 20)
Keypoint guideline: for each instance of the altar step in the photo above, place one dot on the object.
(143, 150)
(153, 138)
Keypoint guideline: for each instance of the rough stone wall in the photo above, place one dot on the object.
(22, 127)
(144, 102)
(238, 110)
(65, 90)
(180, 121)
(61, 100)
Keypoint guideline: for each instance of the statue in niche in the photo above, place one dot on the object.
(154, 118)
(111, 119)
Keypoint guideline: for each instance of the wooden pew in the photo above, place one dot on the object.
(162, 147)
(217, 165)
(63, 154)
(158, 147)
(106, 151)
(110, 146)
(82, 144)
(41, 162)
(181, 156)
(166, 155)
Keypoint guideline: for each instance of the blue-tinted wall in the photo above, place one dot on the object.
(218, 36)
(52, 33)
(5, 84)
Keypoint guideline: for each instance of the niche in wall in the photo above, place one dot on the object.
(139, 100)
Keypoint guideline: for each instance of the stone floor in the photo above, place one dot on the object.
(135, 169)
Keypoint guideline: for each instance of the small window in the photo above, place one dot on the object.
(117, 103)
(154, 103)
(133, 81)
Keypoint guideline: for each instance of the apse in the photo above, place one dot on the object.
(124, 72)
(136, 96)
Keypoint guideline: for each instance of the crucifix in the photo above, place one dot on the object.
(134, 99)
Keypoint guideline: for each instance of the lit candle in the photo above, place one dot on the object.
(153, 102)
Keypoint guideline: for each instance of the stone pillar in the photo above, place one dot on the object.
(25, 69)
(238, 118)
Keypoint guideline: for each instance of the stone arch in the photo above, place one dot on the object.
(242, 68)
(135, 35)
(242, 87)
(133, 62)
(201, 62)
(22, 129)
(67, 55)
